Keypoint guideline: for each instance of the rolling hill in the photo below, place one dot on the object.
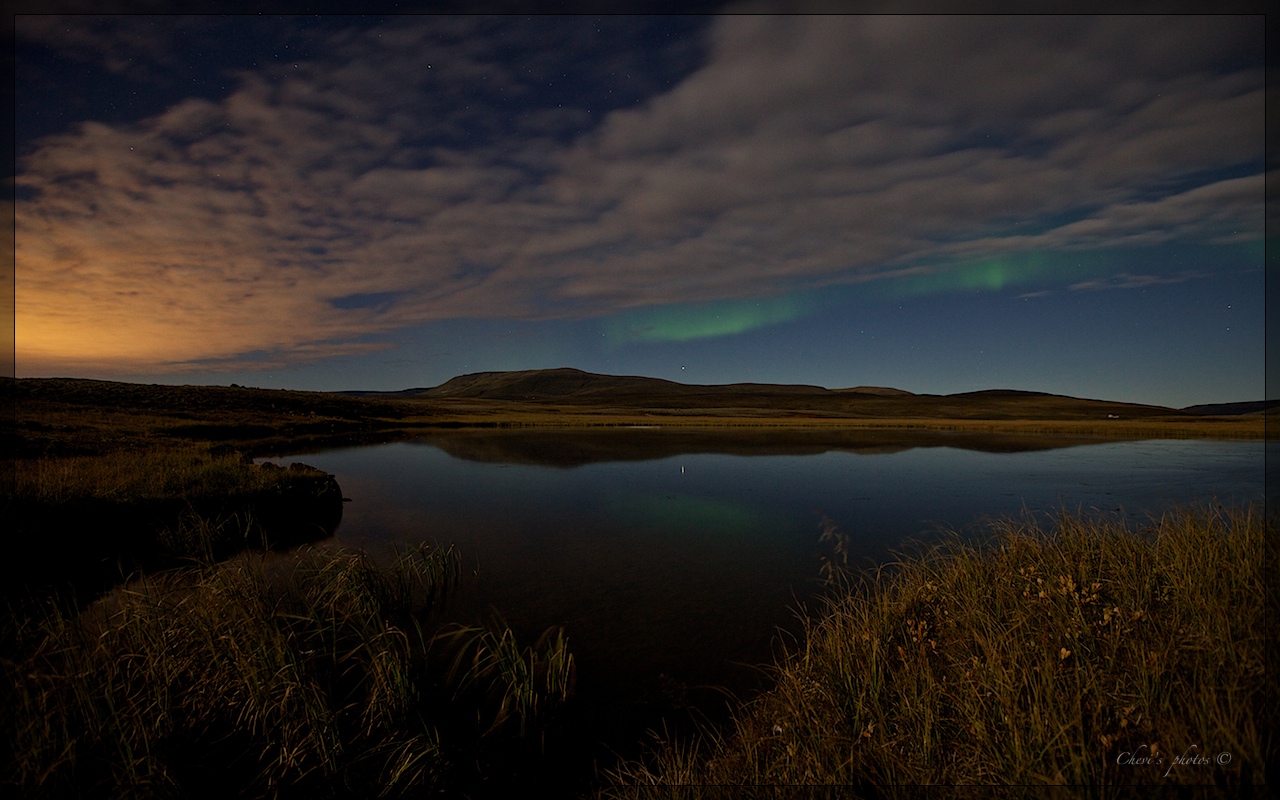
(565, 384)
(1232, 409)
(572, 387)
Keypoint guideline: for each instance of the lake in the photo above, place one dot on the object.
(676, 560)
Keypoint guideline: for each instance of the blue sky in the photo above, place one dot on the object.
(1062, 204)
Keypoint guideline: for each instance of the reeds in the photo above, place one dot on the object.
(523, 682)
(1061, 655)
(130, 476)
(230, 677)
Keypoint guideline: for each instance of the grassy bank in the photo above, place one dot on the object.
(194, 472)
(89, 521)
(326, 674)
(1086, 654)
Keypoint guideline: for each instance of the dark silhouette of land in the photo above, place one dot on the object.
(574, 387)
(60, 416)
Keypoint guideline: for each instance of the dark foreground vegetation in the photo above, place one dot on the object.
(154, 643)
(1087, 654)
(226, 678)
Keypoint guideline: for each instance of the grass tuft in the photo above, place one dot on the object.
(523, 681)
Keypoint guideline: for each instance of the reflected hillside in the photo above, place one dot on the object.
(573, 448)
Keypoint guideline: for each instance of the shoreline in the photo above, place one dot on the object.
(1182, 427)
(67, 417)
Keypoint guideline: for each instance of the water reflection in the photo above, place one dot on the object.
(574, 448)
(673, 558)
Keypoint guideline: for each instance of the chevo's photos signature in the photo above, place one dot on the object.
(1150, 756)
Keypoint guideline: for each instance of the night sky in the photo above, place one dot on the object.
(1062, 204)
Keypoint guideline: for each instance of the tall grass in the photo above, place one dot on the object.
(230, 677)
(1062, 655)
(523, 681)
(190, 471)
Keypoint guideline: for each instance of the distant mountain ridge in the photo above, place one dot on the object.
(1232, 409)
(565, 382)
(573, 387)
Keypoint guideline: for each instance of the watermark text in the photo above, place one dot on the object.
(1191, 758)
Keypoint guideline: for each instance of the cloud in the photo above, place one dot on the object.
(1223, 212)
(472, 167)
(120, 43)
(1125, 280)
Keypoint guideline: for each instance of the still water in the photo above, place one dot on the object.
(677, 560)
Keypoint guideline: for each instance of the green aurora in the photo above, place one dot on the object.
(1025, 272)
(685, 322)
(689, 321)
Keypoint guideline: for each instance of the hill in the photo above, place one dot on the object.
(1232, 409)
(565, 383)
(572, 387)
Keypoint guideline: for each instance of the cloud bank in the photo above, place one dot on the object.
(433, 168)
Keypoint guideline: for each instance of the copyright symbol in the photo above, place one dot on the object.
(1224, 759)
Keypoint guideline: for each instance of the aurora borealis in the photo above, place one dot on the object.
(1063, 204)
(675, 323)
